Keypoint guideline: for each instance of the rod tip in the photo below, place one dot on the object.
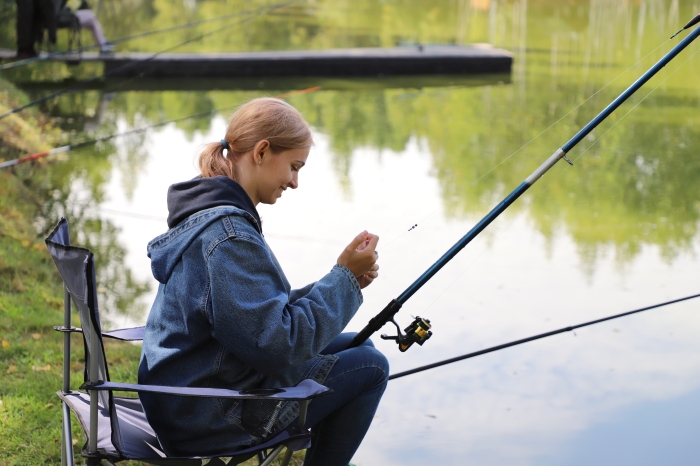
(691, 23)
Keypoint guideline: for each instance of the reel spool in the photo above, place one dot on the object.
(417, 332)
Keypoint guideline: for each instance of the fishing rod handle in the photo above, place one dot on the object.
(376, 323)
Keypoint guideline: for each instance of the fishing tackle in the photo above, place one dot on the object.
(417, 332)
(387, 314)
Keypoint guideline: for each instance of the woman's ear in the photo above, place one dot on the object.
(261, 149)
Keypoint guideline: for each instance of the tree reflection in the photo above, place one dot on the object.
(635, 186)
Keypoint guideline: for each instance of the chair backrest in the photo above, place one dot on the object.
(77, 269)
(67, 20)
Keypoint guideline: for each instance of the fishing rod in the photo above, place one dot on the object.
(70, 147)
(132, 64)
(535, 337)
(27, 61)
(419, 330)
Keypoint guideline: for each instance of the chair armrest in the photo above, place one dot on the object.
(124, 334)
(305, 390)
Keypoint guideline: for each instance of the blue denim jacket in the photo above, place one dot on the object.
(225, 317)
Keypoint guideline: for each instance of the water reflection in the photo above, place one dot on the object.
(615, 232)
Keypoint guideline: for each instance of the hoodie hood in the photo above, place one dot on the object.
(193, 205)
(189, 197)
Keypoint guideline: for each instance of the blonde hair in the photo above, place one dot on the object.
(263, 118)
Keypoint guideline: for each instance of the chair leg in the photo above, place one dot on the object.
(271, 457)
(63, 448)
(287, 457)
(261, 456)
(67, 439)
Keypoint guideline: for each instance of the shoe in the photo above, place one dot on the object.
(107, 48)
(26, 52)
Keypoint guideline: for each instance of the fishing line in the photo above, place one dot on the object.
(128, 38)
(535, 337)
(67, 148)
(124, 67)
(472, 183)
(548, 185)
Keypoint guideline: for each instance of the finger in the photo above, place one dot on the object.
(359, 239)
(373, 240)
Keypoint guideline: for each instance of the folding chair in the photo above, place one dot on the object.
(116, 428)
(69, 21)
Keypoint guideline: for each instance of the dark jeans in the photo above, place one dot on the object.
(340, 420)
(32, 17)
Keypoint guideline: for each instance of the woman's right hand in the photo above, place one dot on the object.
(360, 256)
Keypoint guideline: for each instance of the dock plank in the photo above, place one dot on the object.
(351, 62)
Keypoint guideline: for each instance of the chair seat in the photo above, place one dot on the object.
(139, 441)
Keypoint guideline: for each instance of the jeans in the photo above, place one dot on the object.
(89, 21)
(340, 420)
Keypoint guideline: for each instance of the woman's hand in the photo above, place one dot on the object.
(360, 257)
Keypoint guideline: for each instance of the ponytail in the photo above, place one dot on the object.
(213, 162)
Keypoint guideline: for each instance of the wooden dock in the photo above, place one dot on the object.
(270, 85)
(354, 62)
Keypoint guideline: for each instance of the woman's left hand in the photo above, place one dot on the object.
(366, 279)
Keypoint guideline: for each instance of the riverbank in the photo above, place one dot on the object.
(31, 303)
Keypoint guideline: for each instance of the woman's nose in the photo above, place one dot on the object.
(294, 183)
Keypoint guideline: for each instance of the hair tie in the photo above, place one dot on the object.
(224, 143)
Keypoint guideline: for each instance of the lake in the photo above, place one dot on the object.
(616, 231)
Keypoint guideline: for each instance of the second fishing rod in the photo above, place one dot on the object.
(419, 330)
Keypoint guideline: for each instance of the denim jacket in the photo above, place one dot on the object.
(226, 317)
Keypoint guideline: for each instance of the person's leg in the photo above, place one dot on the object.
(25, 28)
(342, 342)
(88, 20)
(340, 420)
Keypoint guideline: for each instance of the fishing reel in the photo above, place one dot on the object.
(417, 332)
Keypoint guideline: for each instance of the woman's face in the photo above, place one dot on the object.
(279, 171)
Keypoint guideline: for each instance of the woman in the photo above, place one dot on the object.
(225, 316)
